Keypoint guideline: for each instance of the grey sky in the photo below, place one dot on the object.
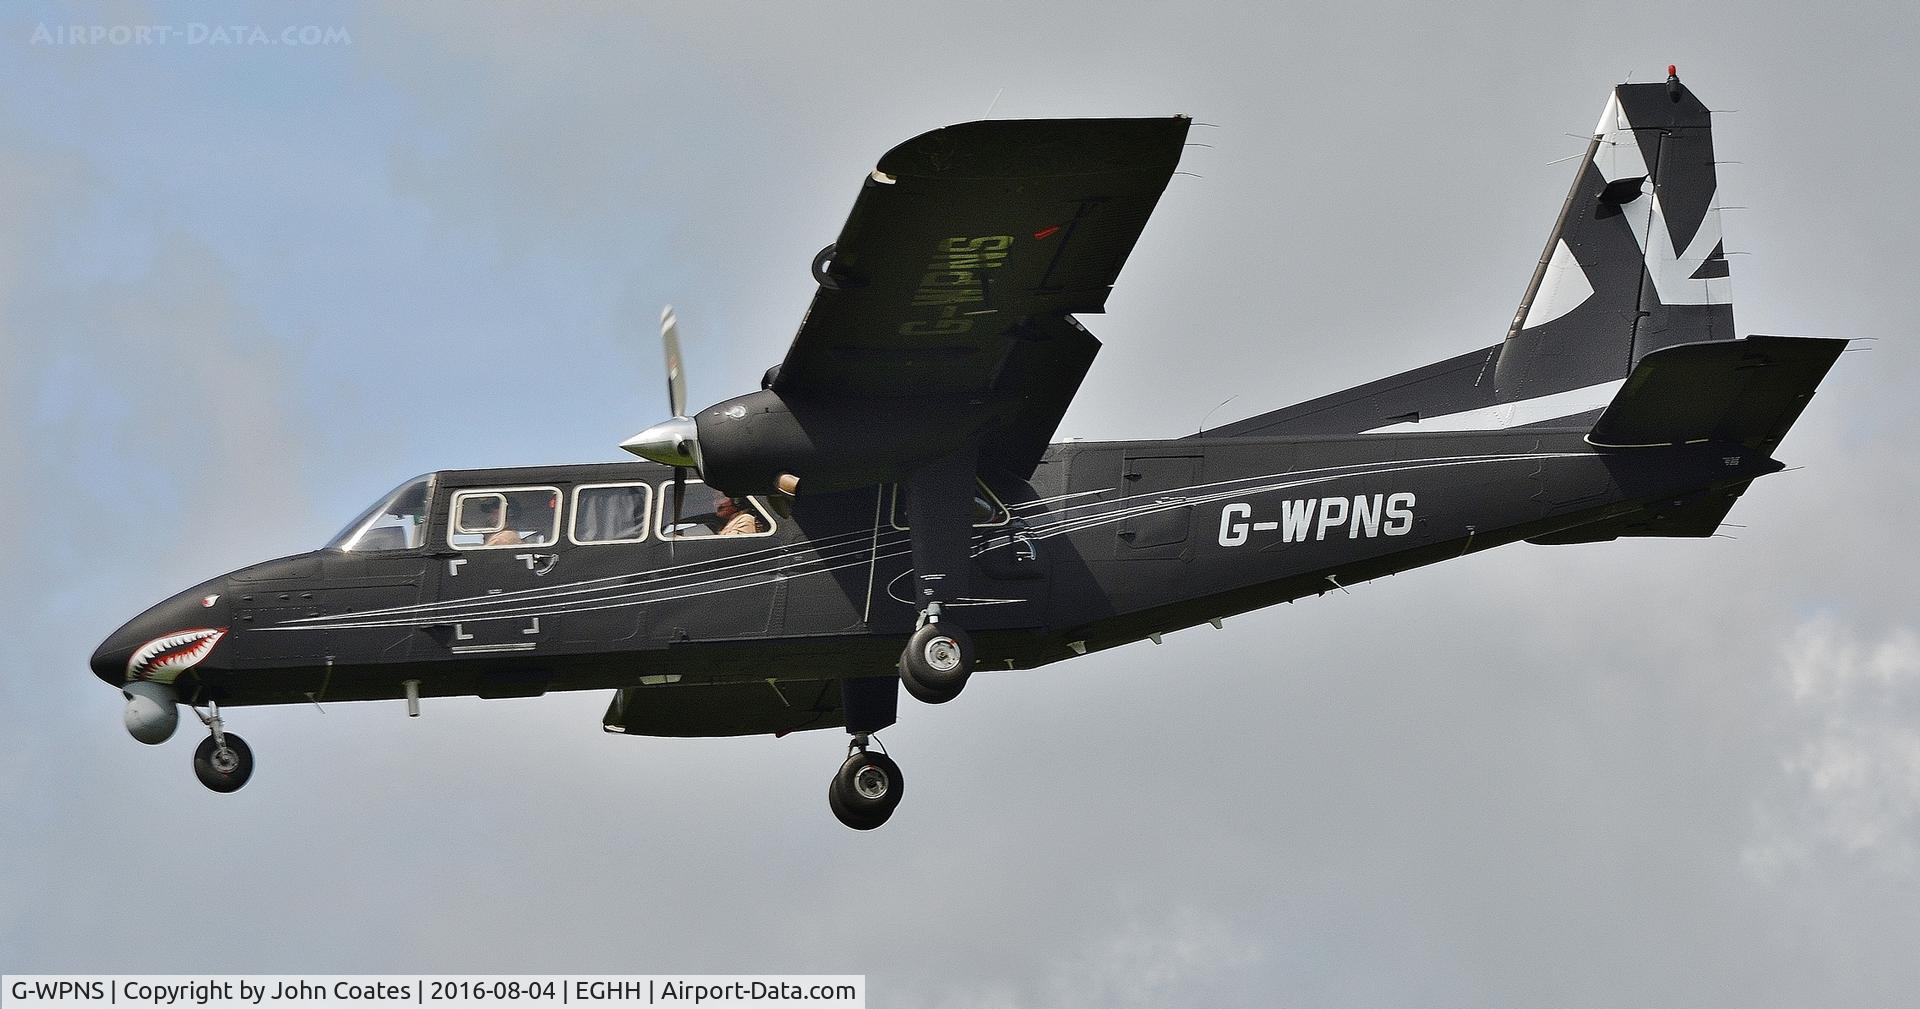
(237, 283)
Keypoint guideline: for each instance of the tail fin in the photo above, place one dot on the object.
(1635, 263)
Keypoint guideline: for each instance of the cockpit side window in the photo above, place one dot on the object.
(479, 514)
(395, 522)
(504, 517)
(708, 513)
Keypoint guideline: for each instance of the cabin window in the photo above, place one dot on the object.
(504, 517)
(709, 513)
(987, 509)
(397, 521)
(610, 513)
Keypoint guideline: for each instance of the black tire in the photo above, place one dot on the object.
(215, 773)
(866, 789)
(849, 817)
(936, 662)
(920, 691)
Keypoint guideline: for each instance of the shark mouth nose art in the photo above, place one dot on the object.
(164, 658)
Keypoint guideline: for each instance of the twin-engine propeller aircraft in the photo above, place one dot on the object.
(891, 513)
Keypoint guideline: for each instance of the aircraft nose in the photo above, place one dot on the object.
(168, 638)
(110, 661)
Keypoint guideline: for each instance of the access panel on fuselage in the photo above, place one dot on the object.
(1156, 509)
(372, 582)
(284, 611)
(1121, 534)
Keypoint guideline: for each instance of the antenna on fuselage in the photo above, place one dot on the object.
(1210, 413)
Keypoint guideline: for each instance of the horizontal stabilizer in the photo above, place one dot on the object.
(1737, 391)
(1696, 515)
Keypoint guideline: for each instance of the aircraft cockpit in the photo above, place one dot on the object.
(397, 521)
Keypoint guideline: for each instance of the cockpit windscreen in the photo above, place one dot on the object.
(397, 521)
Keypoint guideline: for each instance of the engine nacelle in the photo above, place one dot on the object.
(152, 712)
(746, 443)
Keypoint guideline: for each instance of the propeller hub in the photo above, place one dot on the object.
(673, 442)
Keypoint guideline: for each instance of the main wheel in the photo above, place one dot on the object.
(847, 816)
(223, 769)
(866, 789)
(936, 663)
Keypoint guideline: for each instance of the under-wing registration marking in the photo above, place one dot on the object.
(954, 277)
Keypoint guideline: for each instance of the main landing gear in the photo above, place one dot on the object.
(937, 660)
(867, 787)
(933, 667)
(222, 761)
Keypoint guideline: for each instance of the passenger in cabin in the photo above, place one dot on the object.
(736, 519)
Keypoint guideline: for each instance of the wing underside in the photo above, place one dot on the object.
(964, 256)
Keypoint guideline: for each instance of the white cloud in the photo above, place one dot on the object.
(1850, 767)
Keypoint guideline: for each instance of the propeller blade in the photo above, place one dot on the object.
(676, 380)
(674, 442)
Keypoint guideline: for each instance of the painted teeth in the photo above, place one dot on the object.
(173, 652)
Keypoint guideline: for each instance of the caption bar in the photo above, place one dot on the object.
(443, 991)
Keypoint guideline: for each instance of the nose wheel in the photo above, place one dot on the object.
(222, 761)
(866, 789)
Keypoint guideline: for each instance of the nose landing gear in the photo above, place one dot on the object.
(222, 761)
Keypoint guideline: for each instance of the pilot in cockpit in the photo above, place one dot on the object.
(489, 517)
(736, 519)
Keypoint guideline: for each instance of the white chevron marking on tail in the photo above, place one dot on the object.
(1564, 288)
(1618, 157)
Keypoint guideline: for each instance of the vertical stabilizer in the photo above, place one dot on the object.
(1636, 261)
(1635, 264)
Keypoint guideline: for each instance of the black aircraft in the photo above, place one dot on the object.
(894, 514)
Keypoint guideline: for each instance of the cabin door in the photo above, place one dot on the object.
(503, 572)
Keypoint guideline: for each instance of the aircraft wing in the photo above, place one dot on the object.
(964, 254)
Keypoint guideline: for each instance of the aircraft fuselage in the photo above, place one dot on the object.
(1107, 543)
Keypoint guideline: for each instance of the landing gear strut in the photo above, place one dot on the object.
(867, 787)
(939, 657)
(222, 761)
(864, 792)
